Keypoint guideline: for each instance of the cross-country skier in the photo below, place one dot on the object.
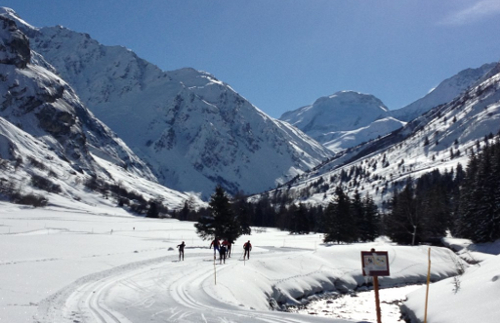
(222, 253)
(216, 245)
(181, 250)
(227, 244)
(248, 247)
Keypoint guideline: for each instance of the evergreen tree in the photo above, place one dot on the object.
(283, 218)
(316, 217)
(435, 212)
(402, 222)
(358, 216)
(466, 223)
(184, 213)
(478, 216)
(152, 211)
(220, 222)
(300, 222)
(243, 210)
(486, 190)
(338, 221)
(370, 229)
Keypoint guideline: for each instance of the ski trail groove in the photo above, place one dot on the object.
(156, 289)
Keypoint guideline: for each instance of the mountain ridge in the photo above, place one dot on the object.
(51, 142)
(193, 130)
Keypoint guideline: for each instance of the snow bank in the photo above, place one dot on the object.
(470, 297)
(289, 278)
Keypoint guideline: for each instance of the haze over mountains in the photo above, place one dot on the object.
(188, 131)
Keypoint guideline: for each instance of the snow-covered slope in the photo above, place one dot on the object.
(446, 91)
(50, 141)
(439, 139)
(341, 140)
(343, 120)
(193, 130)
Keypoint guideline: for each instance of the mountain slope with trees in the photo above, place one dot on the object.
(415, 173)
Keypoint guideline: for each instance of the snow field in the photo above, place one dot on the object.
(63, 265)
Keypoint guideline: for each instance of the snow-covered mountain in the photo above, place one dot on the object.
(193, 130)
(439, 139)
(446, 91)
(49, 140)
(344, 119)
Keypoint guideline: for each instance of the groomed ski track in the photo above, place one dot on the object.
(161, 290)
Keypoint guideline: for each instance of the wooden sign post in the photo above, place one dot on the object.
(375, 263)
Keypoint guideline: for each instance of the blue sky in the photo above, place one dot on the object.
(282, 55)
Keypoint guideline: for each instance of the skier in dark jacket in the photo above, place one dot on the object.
(248, 247)
(181, 250)
(227, 243)
(222, 253)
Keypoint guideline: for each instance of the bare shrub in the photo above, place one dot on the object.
(45, 184)
(29, 199)
(35, 163)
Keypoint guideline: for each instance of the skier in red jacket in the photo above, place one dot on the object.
(216, 245)
(248, 247)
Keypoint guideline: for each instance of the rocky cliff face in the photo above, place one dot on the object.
(52, 144)
(42, 104)
(14, 49)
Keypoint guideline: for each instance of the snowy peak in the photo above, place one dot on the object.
(446, 91)
(343, 98)
(346, 119)
(12, 15)
(337, 121)
(345, 110)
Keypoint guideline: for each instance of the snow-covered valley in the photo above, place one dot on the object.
(71, 264)
(163, 140)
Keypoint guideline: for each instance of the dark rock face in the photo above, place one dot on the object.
(14, 46)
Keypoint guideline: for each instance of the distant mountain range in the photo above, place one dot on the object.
(346, 119)
(74, 110)
(439, 139)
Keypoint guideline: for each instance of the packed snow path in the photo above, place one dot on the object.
(161, 290)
